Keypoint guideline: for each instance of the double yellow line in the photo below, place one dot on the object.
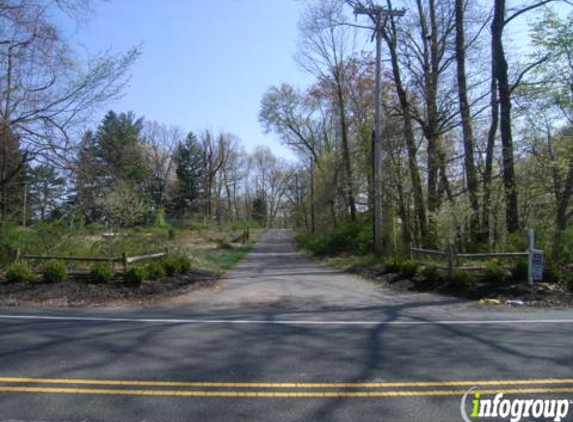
(288, 389)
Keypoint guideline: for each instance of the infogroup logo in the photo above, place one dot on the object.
(513, 410)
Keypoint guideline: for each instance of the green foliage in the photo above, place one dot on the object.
(19, 271)
(520, 270)
(175, 265)
(54, 271)
(244, 224)
(159, 219)
(431, 273)
(224, 244)
(516, 242)
(134, 276)
(409, 268)
(259, 211)
(551, 274)
(393, 265)
(184, 264)
(155, 270)
(101, 272)
(124, 206)
(563, 249)
(171, 233)
(494, 272)
(189, 159)
(353, 237)
(463, 280)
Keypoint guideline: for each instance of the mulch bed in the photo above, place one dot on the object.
(77, 291)
(510, 291)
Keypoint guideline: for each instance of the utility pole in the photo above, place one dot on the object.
(379, 15)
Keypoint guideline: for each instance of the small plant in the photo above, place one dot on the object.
(101, 272)
(171, 265)
(462, 279)
(520, 270)
(224, 244)
(567, 279)
(54, 271)
(431, 273)
(392, 265)
(134, 276)
(494, 272)
(155, 270)
(19, 271)
(409, 268)
(171, 233)
(184, 264)
(551, 275)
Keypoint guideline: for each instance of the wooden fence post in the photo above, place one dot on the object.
(450, 260)
(17, 254)
(124, 262)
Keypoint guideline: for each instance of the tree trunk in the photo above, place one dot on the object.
(467, 131)
(409, 138)
(504, 90)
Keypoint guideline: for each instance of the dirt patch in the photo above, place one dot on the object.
(511, 291)
(80, 293)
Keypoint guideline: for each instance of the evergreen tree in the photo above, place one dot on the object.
(259, 211)
(189, 160)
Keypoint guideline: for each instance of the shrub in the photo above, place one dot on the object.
(224, 244)
(54, 271)
(520, 270)
(409, 268)
(101, 272)
(567, 279)
(494, 272)
(431, 273)
(184, 264)
(19, 271)
(134, 276)
(171, 233)
(392, 265)
(462, 279)
(171, 265)
(155, 270)
(348, 237)
(551, 275)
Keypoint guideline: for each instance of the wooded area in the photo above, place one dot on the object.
(477, 129)
(477, 126)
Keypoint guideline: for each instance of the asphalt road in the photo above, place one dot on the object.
(284, 339)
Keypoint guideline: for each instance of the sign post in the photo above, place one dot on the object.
(535, 260)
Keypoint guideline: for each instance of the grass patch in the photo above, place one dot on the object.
(220, 260)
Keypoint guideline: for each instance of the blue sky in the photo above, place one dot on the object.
(205, 63)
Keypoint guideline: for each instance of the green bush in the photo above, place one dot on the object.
(409, 268)
(224, 244)
(462, 279)
(552, 275)
(184, 264)
(54, 271)
(567, 279)
(494, 272)
(19, 271)
(393, 265)
(431, 273)
(171, 233)
(134, 276)
(175, 265)
(101, 272)
(155, 270)
(353, 237)
(520, 270)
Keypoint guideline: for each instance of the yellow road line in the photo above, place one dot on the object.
(280, 394)
(135, 383)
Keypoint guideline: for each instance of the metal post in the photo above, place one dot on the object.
(530, 250)
(377, 13)
(378, 146)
